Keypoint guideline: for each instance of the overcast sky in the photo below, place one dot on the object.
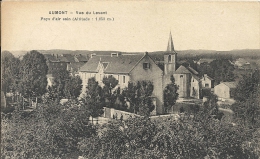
(137, 26)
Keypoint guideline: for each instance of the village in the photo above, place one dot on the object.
(193, 87)
(80, 95)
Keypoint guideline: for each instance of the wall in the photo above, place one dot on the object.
(205, 81)
(222, 91)
(170, 64)
(153, 74)
(184, 84)
(109, 112)
(194, 87)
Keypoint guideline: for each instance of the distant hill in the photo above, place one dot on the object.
(235, 53)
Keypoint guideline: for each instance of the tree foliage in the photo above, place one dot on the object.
(56, 90)
(94, 101)
(220, 69)
(247, 96)
(188, 137)
(139, 95)
(50, 131)
(170, 94)
(10, 72)
(73, 86)
(109, 93)
(33, 74)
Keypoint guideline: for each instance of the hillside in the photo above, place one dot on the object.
(198, 53)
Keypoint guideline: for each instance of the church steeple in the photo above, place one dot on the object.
(170, 47)
(170, 57)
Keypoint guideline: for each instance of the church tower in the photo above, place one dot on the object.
(170, 58)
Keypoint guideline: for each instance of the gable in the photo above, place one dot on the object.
(182, 70)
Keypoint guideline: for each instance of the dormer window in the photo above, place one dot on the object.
(114, 54)
(146, 66)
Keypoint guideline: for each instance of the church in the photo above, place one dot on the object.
(132, 68)
(186, 78)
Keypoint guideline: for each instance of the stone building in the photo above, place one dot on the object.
(125, 68)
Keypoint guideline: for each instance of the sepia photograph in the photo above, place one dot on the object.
(130, 80)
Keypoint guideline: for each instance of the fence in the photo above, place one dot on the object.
(113, 113)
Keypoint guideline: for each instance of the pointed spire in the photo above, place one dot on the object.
(170, 46)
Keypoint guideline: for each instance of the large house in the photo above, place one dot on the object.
(139, 67)
(125, 68)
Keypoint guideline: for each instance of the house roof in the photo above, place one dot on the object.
(120, 64)
(63, 59)
(76, 65)
(81, 58)
(182, 70)
(192, 70)
(69, 57)
(195, 77)
(209, 78)
(230, 84)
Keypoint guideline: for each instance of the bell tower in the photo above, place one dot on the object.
(170, 58)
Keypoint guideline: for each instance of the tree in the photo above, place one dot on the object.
(146, 105)
(205, 68)
(222, 70)
(139, 95)
(56, 91)
(33, 75)
(50, 131)
(170, 94)
(247, 95)
(132, 95)
(108, 90)
(9, 72)
(94, 100)
(188, 137)
(73, 87)
(247, 86)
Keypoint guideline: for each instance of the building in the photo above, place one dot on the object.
(55, 63)
(204, 60)
(225, 90)
(68, 62)
(207, 82)
(125, 68)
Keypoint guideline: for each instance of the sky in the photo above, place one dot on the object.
(137, 26)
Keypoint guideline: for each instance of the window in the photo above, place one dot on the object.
(146, 66)
(123, 79)
(181, 76)
(170, 58)
(207, 85)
